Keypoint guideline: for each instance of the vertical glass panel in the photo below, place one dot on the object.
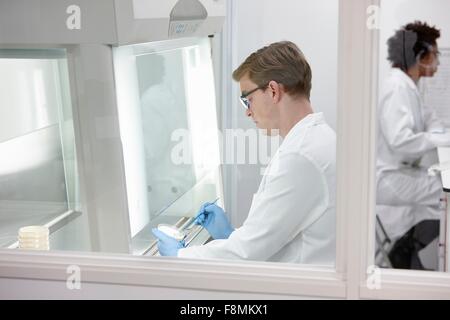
(314, 243)
(168, 124)
(412, 125)
(38, 171)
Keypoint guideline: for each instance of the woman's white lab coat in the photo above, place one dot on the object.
(292, 216)
(407, 130)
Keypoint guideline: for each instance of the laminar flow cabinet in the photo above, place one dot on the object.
(108, 120)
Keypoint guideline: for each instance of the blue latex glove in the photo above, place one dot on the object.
(213, 219)
(167, 246)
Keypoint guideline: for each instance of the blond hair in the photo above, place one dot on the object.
(282, 62)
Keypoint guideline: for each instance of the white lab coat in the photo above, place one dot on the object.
(292, 216)
(407, 131)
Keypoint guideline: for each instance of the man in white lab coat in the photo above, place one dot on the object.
(292, 215)
(408, 200)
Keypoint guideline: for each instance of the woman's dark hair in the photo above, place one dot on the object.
(411, 43)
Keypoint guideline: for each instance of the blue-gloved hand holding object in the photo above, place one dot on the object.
(167, 246)
(213, 218)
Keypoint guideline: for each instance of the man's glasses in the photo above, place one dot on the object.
(245, 102)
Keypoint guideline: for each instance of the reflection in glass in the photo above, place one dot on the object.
(168, 123)
(163, 107)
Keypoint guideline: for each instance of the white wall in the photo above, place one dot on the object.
(313, 26)
(397, 13)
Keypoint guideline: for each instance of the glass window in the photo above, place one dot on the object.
(38, 169)
(248, 36)
(412, 118)
(168, 125)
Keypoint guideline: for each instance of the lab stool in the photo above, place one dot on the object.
(384, 244)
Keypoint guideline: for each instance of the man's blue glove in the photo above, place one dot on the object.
(167, 246)
(213, 219)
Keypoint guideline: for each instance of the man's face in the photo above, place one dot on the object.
(261, 109)
(429, 64)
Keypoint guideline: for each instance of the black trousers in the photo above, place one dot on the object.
(405, 251)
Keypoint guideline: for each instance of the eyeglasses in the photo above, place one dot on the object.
(245, 102)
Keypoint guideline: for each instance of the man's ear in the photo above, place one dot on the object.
(276, 90)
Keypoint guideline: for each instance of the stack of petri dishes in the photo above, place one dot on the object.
(34, 237)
